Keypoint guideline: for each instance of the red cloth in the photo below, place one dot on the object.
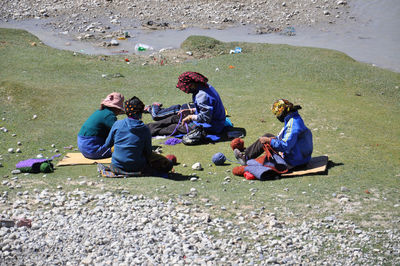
(249, 176)
(187, 78)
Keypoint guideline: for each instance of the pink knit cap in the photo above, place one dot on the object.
(114, 100)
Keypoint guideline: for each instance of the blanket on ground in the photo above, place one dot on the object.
(315, 166)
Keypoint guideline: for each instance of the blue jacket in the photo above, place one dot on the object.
(132, 144)
(210, 110)
(295, 141)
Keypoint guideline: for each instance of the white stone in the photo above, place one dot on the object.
(197, 166)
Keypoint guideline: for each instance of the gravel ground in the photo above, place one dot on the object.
(104, 18)
(121, 229)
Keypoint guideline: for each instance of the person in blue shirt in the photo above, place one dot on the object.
(294, 143)
(131, 139)
(208, 112)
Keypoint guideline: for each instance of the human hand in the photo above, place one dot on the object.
(188, 119)
(265, 140)
(185, 112)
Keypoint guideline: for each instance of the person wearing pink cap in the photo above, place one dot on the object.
(95, 130)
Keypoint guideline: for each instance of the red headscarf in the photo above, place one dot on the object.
(187, 78)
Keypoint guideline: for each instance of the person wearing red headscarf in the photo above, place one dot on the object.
(209, 111)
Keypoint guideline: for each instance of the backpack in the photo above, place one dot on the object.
(195, 137)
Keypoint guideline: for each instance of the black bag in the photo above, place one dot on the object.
(195, 137)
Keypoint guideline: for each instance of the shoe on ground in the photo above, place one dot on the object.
(240, 156)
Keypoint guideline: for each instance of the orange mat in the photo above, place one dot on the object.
(77, 158)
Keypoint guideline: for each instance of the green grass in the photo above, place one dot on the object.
(351, 108)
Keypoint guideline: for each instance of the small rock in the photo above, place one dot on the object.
(34, 117)
(193, 179)
(329, 219)
(197, 166)
(11, 150)
(344, 189)
(16, 172)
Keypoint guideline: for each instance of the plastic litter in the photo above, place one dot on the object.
(289, 31)
(237, 50)
(140, 47)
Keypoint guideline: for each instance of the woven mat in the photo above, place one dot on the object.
(77, 158)
(315, 166)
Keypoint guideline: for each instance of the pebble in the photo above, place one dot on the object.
(197, 166)
(344, 189)
(11, 150)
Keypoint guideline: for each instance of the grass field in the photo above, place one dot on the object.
(353, 110)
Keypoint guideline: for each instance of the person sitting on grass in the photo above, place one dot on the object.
(294, 143)
(208, 111)
(94, 131)
(131, 140)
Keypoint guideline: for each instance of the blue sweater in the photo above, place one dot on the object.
(295, 141)
(132, 144)
(210, 110)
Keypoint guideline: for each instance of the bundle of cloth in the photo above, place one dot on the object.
(266, 167)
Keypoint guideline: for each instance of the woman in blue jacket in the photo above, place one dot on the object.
(294, 142)
(208, 112)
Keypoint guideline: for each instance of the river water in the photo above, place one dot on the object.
(371, 35)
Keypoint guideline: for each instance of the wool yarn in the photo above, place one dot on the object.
(218, 158)
(172, 158)
(237, 143)
(238, 170)
(172, 141)
(46, 167)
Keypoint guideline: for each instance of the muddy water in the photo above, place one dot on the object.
(371, 35)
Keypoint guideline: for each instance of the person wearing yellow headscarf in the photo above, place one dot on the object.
(294, 142)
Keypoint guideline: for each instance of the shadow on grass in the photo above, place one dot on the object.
(178, 177)
(332, 164)
(230, 133)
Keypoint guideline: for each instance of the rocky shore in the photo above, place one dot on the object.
(109, 18)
